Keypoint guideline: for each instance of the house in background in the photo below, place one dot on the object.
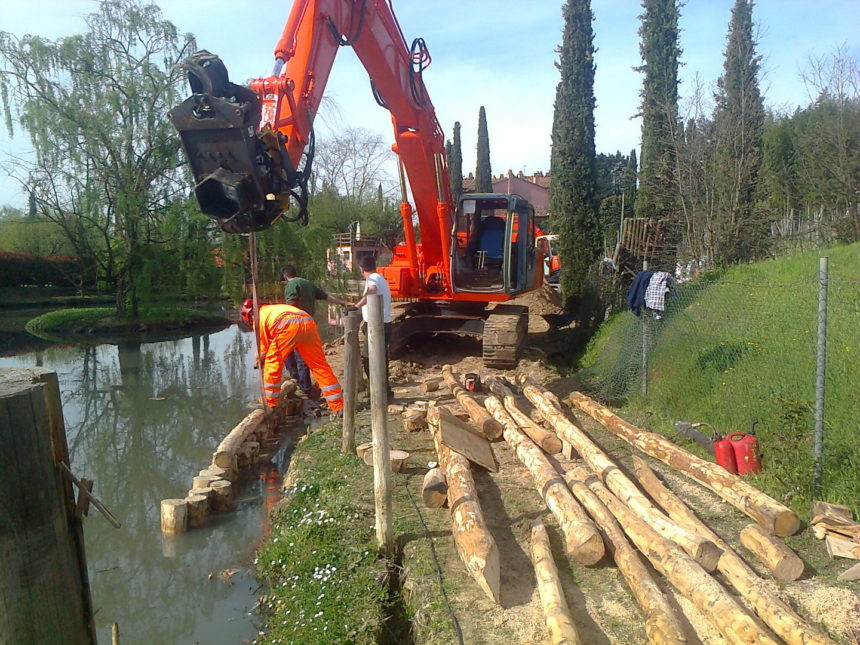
(535, 188)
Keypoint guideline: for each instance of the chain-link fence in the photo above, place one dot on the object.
(740, 346)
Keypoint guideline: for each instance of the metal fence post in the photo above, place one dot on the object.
(644, 343)
(820, 368)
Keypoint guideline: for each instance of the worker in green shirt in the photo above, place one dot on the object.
(303, 294)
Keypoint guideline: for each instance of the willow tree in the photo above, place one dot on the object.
(107, 166)
(483, 171)
(573, 194)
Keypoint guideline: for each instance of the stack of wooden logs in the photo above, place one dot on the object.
(598, 507)
(212, 488)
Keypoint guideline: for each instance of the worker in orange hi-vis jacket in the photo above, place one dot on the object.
(282, 329)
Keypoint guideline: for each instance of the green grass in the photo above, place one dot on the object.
(741, 345)
(104, 320)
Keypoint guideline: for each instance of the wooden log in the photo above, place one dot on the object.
(174, 515)
(215, 471)
(222, 495)
(414, 421)
(247, 454)
(778, 615)
(684, 573)
(45, 594)
(197, 510)
(351, 376)
(583, 542)
(782, 561)
(364, 452)
(378, 357)
(822, 511)
(225, 455)
(490, 428)
(559, 623)
(850, 574)
(849, 531)
(463, 438)
(772, 515)
(548, 441)
(431, 385)
(203, 481)
(700, 549)
(434, 490)
(661, 624)
(474, 542)
(397, 458)
(838, 547)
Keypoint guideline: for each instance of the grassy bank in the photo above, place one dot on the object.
(65, 323)
(325, 581)
(740, 346)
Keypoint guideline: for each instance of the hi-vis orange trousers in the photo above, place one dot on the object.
(284, 328)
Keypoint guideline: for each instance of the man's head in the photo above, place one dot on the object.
(290, 272)
(247, 312)
(367, 264)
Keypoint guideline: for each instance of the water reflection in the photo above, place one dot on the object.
(141, 420)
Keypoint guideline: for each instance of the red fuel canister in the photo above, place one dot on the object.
(747, 456)
(724, 453)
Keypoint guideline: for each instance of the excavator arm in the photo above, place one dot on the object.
(250, 150)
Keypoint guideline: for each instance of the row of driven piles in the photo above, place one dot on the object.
(599, 508)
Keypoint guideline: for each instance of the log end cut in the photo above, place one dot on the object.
(584, 544)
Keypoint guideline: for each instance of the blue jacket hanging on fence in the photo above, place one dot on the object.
(636, 292)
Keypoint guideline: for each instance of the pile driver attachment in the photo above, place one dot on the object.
(243, 178)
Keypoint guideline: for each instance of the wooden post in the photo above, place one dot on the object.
(700, 549)
(491, 428)
(682, 571)
(45, 595)
(379, 424)
(559, 623)
(174, 515)
(225, 455)
(782, 561)
(582, 541)
(351, 371)
(434, 490)
(547, 440)
(765, 510)
(767, 604)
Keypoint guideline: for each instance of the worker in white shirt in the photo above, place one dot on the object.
(375, 283)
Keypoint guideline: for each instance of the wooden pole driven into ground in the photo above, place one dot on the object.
(545, 439)
(772, 515)
(661, 624)
(379, 424)
(767, 604)
(351, 368)
(682, 571)
(582, 540)
(474, 542)
(491, 428)
(559, 623)
(700, 549)
(45, 595)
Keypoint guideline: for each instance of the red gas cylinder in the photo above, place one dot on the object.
(724, 453)
(747, 456)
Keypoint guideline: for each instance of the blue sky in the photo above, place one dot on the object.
(496, 53)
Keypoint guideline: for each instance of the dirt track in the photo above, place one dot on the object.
(599, 599)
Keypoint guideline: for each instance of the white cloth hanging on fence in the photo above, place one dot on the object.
(659, 287)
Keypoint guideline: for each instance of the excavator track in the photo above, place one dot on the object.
(504, 332)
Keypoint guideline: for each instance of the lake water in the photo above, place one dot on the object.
(141, 420)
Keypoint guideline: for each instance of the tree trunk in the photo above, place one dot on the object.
(582, 540)
(683, 572)
(701, 550)
(559, 623)
(545, 439)
(782, 561)
(225, 455)
(772, 515)
(474, 542)
(491, 428)
(661, 625)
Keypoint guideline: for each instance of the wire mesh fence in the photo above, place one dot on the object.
(740, 346)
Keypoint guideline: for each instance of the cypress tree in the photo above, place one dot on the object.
(631, 172)
(455, 164)
(573, 193)
(739, 120)
(483, 172)
(660, 53)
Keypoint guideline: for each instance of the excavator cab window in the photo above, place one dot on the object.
(486, 255)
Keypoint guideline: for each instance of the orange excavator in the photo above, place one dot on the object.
(251, 153)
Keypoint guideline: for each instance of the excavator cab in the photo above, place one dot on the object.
(494, 249)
